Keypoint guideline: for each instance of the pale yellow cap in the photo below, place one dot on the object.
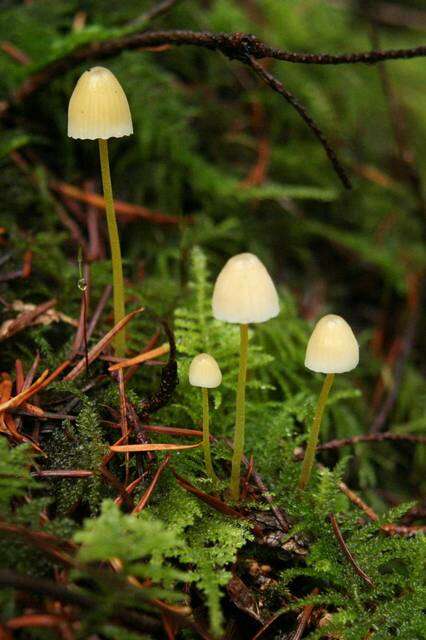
(332, 347)
(244, 291)
(204, 372)
(98, 107)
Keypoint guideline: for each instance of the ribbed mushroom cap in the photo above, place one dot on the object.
(332, 347)
(98, 107)
(204, 372)
(244, 291)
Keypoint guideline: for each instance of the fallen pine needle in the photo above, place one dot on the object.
(17, 400)
(100, 346)
(146, 496)
(142, 357)
(346, 552)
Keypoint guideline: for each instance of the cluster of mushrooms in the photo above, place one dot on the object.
(244, 292)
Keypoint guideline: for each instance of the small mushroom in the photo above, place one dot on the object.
(332, 348)
(244, 293)
(204, 372)
(98, 109)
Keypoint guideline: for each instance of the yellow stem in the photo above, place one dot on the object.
(309, 458)
(240, 415)
(114, 241)
(206, 436)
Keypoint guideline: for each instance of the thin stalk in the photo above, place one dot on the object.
(206, 436)
(114, 241)
(240, 415)
(309, 458)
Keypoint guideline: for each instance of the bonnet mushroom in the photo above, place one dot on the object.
(332, 348)
(98, 110)
(204, 372)
(243, 293)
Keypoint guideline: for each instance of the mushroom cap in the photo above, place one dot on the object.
(204, 372)
(332, 347)
(244, 291)
(98, 107)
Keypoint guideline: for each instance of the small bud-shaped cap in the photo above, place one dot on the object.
(332, 347)
(98, 107)
(244, 291)
(204, 372)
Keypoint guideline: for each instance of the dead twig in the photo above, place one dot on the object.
(278, 87)
(357, 501)
(371, 437)
(233, 45)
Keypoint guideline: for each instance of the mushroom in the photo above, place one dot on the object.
(98, 110)
(243, 293)
(204, 372)
(332, 348)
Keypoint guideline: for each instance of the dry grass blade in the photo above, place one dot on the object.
(137, 448)
(100, 346)
(142, 357)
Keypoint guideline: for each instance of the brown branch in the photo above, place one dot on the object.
(371, 437)
(233, 45)
(347, 553)
(358, 502)
(278, 87)
(243, 47)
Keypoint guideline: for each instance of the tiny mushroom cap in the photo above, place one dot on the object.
(204, 372)
(98, 107)
(244, 291)
(332, 347)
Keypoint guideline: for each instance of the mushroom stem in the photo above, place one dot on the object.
(309, 458)
(206, 436)
(114, 240)
(240, 415)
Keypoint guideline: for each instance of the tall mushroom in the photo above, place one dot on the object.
(204, 372)
(98, 110)
(332, 348)
(244, 293)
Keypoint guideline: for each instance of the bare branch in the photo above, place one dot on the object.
(278, 86)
